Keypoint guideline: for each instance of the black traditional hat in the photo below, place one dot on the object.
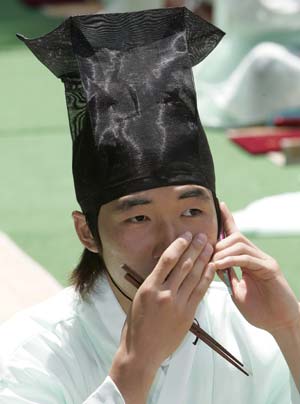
(131, 100)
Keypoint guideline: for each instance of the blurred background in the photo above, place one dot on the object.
(250, 83)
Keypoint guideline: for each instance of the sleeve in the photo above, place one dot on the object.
(295, 394)
(107, 393)
(49, 393)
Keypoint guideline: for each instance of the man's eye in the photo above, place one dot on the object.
(192, 212)
(137, 219)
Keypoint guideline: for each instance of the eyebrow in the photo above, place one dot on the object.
(129, 203)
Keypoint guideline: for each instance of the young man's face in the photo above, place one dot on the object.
(136, 229)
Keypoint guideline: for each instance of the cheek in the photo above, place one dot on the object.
(209, 226)
(123, 244)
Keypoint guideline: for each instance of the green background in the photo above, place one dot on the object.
(37, 195)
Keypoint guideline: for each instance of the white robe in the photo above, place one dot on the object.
(60, 352)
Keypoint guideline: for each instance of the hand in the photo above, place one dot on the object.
(162, 312)
(262, 295)
(164, 306)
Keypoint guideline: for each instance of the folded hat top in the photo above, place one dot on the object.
(131, 99)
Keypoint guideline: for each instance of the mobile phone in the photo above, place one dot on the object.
(227, 271)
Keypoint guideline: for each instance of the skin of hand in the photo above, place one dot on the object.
(161, 314)
(262, 295)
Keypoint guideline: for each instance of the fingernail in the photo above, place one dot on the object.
(187, 235)
(201, 238)
(208, 250)
(211, 265)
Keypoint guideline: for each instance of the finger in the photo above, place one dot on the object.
(186, 263)
(239, 248)
(246, 262)
(201, 288)
(234, 279)
(229, 225)
(193, 278)
(231, 240)
(170, 257)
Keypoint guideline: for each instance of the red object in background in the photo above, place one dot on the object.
(258, 140)
(37, 3)
(287, 121)
(174, 3)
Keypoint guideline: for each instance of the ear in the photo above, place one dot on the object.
(83, 232)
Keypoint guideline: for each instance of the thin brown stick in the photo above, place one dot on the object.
(133, 281)
(133, 274)
(195, 329)
(217, 348)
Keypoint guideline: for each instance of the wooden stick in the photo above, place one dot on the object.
(133, 274)
(195, 327)
(216, 347)
(133, 281)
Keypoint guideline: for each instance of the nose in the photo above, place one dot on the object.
(165, 234)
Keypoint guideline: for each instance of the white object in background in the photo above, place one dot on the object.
(254, 72)
(274, 215)
(122, 6)
(266, 81)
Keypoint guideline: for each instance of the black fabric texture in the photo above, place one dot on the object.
(131, 100)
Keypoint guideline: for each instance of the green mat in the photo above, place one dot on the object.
(37, 195)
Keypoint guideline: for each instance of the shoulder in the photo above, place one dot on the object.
(49, 350)
(29, 327)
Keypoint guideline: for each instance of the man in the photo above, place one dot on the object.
(144, 179)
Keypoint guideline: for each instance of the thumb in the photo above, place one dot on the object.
(229, 225)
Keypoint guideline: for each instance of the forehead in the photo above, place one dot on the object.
(169, 193)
